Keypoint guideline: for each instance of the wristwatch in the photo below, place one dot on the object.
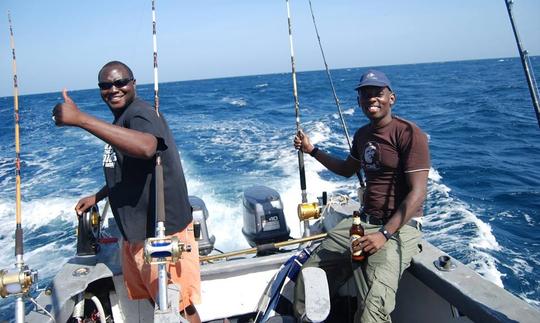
(385, 232)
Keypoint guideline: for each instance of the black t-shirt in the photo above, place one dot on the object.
(387, 154)
(131, 180)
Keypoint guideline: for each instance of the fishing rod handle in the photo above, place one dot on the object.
(160, 199)
(301, 167)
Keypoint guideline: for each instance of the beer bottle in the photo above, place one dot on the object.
(356, 232)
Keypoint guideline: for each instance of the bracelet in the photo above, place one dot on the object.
(314, 151)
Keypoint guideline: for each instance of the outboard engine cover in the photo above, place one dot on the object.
(264, 221)
(200, 215)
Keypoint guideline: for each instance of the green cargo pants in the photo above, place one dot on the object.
(376, 278)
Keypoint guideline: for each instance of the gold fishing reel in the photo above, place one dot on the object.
(164, 250)
(17, 281)
(308, 211)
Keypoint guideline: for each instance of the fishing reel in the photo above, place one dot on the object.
(88, 232)
(17, 281)
(308, 211)
(312, 211)
(164, 250)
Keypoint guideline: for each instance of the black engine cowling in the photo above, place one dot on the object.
(264, 220)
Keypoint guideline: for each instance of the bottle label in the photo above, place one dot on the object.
(351, 239)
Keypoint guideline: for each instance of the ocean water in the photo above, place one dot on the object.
(483, 205)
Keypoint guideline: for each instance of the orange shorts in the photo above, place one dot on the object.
(141, 280)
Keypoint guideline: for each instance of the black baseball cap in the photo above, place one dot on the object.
(373, 78)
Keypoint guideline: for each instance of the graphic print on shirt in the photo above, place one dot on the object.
(372, 156)
(109, 156)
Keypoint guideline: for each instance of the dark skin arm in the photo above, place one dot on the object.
(346, 167)
(417, 181)
(130, 142)
(86, 202)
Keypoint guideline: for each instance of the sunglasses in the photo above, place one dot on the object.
(118, 83)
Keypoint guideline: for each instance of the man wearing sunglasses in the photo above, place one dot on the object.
(132, 141)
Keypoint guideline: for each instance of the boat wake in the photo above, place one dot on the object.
(454, 226)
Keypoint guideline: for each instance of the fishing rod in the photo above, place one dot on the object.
(162, 250)
(264, 247)
(301, 166)
(18, 281)
(19, 252)
(160, 203)
(336, 99)
(526, 62)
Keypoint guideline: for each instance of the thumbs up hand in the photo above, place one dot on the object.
(66, 113)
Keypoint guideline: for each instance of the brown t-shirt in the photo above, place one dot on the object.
(386, 154)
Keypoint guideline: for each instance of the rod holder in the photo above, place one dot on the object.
(444, 263)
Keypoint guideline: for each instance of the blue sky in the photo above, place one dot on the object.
(64, 43)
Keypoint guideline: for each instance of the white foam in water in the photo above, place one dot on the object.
(521, 267)
(485, 239)
(485, 265)
(448, 217)
(34, 214)
(436, 177)
(244, 135)
(320, 132)
(239, 102)
(39, 212)
(528, 219)
(225, 219)
(506, 214)
(349, 111)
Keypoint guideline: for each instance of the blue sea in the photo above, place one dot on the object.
(483, 205)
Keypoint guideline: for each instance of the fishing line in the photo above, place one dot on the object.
(336, 99)
(42, 309)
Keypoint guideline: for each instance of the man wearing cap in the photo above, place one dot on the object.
(394, 156)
